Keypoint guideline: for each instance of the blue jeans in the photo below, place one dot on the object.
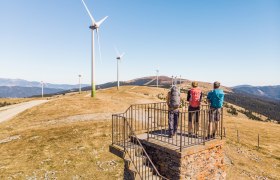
(173, 116)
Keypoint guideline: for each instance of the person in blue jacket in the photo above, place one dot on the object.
(216, 100)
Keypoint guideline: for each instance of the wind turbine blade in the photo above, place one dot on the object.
(122, 55)
(97, 33)
(117, 51)
(92, 19)
(101, 21)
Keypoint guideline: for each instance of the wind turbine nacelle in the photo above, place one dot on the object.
(118, 58)
(93, 27)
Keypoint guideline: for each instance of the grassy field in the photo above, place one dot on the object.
(246, 160)
(68, 138)
(10, 101)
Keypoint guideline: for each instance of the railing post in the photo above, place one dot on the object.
(148, 123)
(112, 129)
(124, 133)
(222, 119)
(131, 116)
(181, 128)
(205, 128)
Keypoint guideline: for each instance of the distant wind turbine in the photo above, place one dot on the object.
(94, 26)
(80, 83)
(157, 76)
(42, 86)
(119, 57)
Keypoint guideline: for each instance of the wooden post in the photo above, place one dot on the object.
(258, 141)
(237, 136)
(224, 132)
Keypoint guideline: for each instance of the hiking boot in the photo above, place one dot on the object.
(213, 136)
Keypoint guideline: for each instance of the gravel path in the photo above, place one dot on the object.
(9, 112)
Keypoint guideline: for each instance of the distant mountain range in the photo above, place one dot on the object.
(270, 92)
(24, 83)
(163, 81)
(262, 99)
(18, 88)
(20, 92)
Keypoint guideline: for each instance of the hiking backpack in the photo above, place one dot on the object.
(217, 99)
(174, 101)
(195, 97)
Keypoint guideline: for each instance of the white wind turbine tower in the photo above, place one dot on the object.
(157, 76)
(80, 83)
(94, 26)
(42, 86)
(119, 57)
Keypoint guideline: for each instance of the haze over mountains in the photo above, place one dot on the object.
(18, 88)
(271, 92)
(264, 100)
(24, 88)
(24, 83)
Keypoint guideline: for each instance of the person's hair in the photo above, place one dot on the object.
(216, 84)
(194, 84)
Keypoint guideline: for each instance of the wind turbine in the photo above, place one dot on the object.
(80, 83)
(42, 86)
(157, 76)
(119, 57)
(94, 26)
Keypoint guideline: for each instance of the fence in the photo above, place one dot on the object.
(194, 127)
(126, 138)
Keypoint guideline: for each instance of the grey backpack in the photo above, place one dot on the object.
(174, 101)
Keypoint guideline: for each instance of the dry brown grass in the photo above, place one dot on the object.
(15, 100)
(249, 162)
(49, 145)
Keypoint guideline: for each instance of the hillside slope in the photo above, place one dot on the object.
(20, 92)
(270, 92)
(69, 136)
(25, 83)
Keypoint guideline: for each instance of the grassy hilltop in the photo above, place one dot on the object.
(68, 138)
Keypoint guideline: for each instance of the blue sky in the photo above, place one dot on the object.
(234, 41)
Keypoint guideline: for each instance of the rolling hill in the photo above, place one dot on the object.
(21, 92)
(68, 138)
(24, 83)
(18, 88)
(262, 100)
(266, 92)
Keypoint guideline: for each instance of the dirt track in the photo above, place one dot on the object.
(9, 112)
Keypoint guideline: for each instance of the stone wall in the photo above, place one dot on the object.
(196, 162)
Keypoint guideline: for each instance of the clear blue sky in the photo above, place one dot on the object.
(233, 41)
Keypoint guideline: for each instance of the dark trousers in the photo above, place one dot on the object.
(193, 112)
(193, 119)
(173, 116)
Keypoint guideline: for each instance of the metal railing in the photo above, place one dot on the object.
(151, 120)
(125, 137)
(193, 127)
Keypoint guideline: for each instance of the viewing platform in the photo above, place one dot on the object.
(140, 136)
